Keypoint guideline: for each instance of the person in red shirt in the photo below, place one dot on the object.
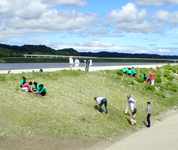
(26, 87)
(152, 75)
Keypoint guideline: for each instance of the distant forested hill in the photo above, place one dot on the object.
(18, 51)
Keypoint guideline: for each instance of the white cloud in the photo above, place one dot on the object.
(164, 50)
(156, 2)
(130, 19)
(95, 43)
(76, 3)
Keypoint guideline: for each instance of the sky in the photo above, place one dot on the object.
(127, 26)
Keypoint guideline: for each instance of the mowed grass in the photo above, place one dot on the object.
(67, 109)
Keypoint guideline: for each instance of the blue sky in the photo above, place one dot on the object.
(129, 26)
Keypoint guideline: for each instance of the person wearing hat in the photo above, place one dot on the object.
(71, 61)
(87, 64)
(101, 101)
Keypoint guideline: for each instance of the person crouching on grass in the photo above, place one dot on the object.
(26, 87)
(23, 82)
(37, 87)
(101, 101)
(42, 90)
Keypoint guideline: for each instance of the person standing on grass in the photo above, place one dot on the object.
(125, 70)
(101, 101)
(26, 87)
(133, 71)
(129, 99)
(87, 64)
(23, 82)
(132, 113)
(71, 61)
(77, 62)
(152, 75)
(148, 114)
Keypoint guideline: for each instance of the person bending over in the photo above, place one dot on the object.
(26, 87)
(133, 71)
(37, 87)
(42, 90)
(23, 82)
(129, 72)
(144, 77)
(101, 101)
(125, 70)
(129, 99)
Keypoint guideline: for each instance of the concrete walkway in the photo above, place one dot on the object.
(162, 135)
(90, 69)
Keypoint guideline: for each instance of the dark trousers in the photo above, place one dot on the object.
(104, 101)
(134, 75)
(43, 93)
(148, 120)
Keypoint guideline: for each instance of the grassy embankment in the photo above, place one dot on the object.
(68, 107)
(51, 60)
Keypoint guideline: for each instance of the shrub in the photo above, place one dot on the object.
(119, 72)
(169, 67)
(139, 80)
(173, 88)
(160, 94)
(149, 87)
(166, 74)
(158, 80)
(170, 78)
(132, 82)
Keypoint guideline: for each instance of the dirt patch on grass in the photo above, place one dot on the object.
(85, 120)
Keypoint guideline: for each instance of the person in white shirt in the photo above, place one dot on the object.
(71, 62)
(77, 62)
(129, 99)
(132, 114)
(101, 101)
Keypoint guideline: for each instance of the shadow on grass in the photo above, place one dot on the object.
(128, 120)
(144, 123)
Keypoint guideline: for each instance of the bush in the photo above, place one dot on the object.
(149, 87)
(139, 80)
(119, 72)
(170, 78)
(160, 94)
(158, 80)
(173, 88)
(169, 67)
(132, 82)
(166, 74)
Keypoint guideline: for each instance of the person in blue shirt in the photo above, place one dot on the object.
(129, 72)
(37, 87)
(23, 82)
(144, 77)
(125, 70)
(133, 71)
(87, 64)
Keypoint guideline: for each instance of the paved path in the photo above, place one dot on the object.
(161, 136)
(91, 68)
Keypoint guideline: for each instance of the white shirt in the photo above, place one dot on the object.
(77, 61)
(71, 60)
(132, 106)
(99, 99)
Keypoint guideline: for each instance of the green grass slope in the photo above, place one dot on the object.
(67, 109)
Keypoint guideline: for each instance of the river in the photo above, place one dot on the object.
(16, 66)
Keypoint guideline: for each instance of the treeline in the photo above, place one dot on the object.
(126, 55)
(18, 51)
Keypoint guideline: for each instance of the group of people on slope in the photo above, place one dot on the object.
(130, 105)
(150, 79)
(38, 89)
(77, 62)
(130, 71)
